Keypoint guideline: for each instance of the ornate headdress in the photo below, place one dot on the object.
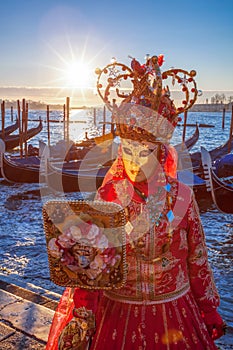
(146, 111)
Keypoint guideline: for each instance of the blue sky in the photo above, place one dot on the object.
(39, 39)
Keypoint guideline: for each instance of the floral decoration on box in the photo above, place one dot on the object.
(85, 243)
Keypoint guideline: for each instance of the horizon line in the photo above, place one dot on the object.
(76, 88)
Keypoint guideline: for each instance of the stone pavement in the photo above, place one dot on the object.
(25, 315)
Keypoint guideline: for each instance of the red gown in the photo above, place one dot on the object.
(169, 282)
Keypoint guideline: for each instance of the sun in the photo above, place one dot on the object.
(77, 74)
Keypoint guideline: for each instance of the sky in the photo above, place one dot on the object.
(43, 42)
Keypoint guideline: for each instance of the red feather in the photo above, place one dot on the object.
(160, 60)
(136, 66)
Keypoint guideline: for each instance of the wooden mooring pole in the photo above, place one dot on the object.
(223, 117)
(64, 121)
(112, 116)
(23, 131)
(184, 127)
(48, 126)
(20, 129)
(26, 129)
(3, 119)
(12, 114)
(67, 119)
(104, 120)
(231, 131)
(94, 116)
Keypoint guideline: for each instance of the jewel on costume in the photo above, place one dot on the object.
(167, 187)
(170, 216)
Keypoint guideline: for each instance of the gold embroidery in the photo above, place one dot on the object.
(165, 336)
(126, 328)
(136, 311)
(101, 325)
(142, 336)
(184, 313)
(195, 313)
(154, 310)
(156, 338)
(178, 316)
(156, 300)
(194, 338)
(114, 334)
(134, 336)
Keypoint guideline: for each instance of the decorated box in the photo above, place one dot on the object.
(86, 243)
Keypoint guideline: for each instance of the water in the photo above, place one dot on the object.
(22, 245)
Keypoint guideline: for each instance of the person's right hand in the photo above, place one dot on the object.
(215, 324)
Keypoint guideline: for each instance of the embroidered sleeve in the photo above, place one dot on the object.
(200, 274)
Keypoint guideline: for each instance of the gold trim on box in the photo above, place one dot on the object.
(86, 243)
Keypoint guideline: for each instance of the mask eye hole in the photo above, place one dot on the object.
(127, 151)
(145, 153)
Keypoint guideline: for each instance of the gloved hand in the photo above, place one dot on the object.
(78, 332)
(215, 324)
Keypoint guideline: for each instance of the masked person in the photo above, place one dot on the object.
(169, 300)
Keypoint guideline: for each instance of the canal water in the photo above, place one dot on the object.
(23, 251)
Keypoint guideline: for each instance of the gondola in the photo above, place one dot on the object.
(102, 150)
(27, 169)
(79, 149)
(87, 142)
(9, 129)
(70, 178)
(74, 179)
(13, 141)
(190, 142)
(20, 170)
(83, 175)
(195, 159)
(197, 184)
(224, 166)
(221, 188)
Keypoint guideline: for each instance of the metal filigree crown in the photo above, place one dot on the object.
(145, 105)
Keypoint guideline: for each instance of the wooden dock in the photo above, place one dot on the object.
(26, 315)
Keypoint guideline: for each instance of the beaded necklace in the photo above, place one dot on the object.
(152, 203)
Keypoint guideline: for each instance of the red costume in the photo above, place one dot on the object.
(169, 300)
(169, 285)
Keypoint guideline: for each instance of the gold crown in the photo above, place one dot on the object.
(142, 123)
(147, 107)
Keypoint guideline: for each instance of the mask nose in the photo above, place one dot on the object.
(134, 161)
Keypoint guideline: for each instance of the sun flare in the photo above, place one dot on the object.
(77, 74)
